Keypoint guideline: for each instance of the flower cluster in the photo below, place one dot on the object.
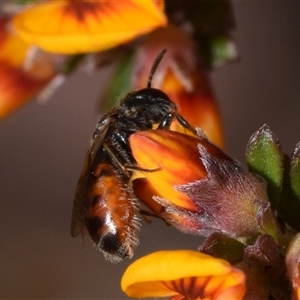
(42, 42)
(250, 217)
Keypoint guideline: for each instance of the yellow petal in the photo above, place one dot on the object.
(85, 26)
(185, 272)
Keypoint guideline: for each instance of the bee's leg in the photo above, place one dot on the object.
(136, 168)
(129, 165)
(148, 214)
(184, 123)
(166, 122)
(116, 156)
(125, 163)
(169, 118)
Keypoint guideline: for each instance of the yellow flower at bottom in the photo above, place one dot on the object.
(183, 274)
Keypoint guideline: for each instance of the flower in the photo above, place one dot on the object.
(182, 76)
(183, 274)
(21, 79)
(70, 27)
(201, 188)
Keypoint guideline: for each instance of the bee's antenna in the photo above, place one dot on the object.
(154, 67)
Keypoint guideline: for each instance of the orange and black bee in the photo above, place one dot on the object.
(104, 201)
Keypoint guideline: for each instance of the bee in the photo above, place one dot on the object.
(105, 204)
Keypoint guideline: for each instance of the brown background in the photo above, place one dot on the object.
(42, 149)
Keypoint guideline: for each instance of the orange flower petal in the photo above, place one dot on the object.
(18, 84)
(144, 191)
(182, 272)
(17, 88)
(13, 50)
(198, 106)
(85, 26)
(167, 151)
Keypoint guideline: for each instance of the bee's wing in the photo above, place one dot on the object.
(81, 203)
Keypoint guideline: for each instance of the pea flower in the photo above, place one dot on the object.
(71, 27)
(201, 189)
(183, 274)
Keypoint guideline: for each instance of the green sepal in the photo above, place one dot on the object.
(265, 157)
(221, 246)
(119, 83)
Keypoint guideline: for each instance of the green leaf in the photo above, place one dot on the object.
(119, 83)
(266, 158)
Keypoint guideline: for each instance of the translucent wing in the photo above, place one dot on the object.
(81, 203)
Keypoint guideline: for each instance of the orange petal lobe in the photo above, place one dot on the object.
(85, 26)
(177, 156)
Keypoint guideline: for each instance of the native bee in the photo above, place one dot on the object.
(104, 201)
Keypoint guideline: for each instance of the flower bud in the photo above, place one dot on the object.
(182, 76)
(201, 188)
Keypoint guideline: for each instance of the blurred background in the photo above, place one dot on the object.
(43, 146)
